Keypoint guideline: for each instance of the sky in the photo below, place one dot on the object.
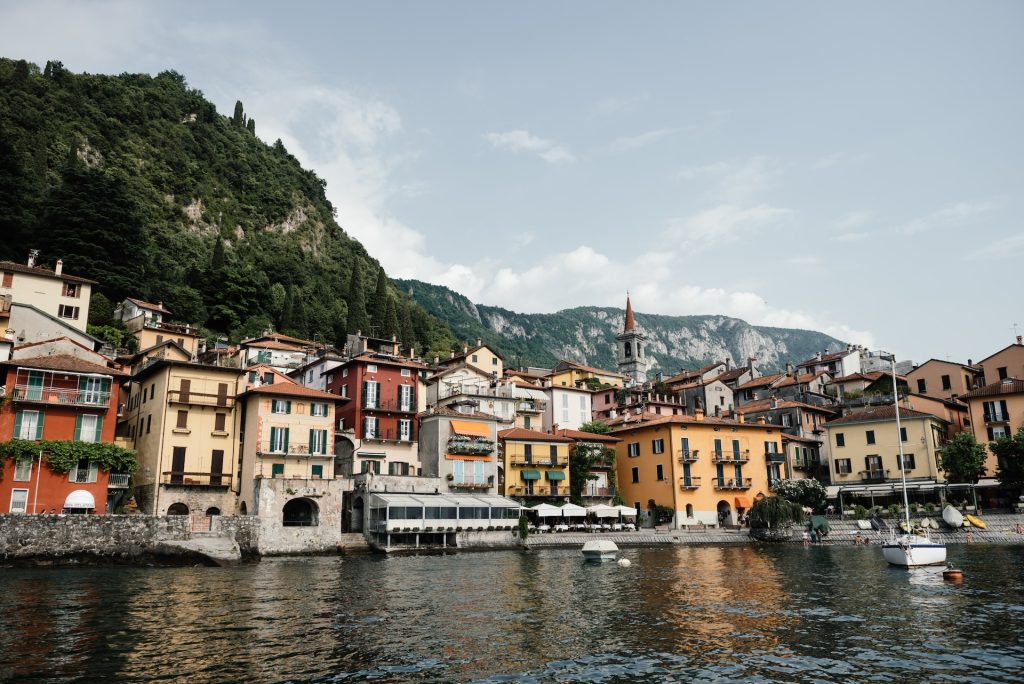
(851, 168)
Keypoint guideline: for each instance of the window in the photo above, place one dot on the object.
(277, 470)
(628, 350)
(660, 471)
(70, 312)
(405, 397)
(371, 368)
(635, 472)
(23, 470)
(71, 290)
(633, 449)
(494, 360)
(843, 466)
(371, 467)
(787, 421)
(84, 472)
(280, 406)
(149, 422)
(309, 376)
(406, 373)
(219, 420)
(870, 435)
(658, 447)
(278, 440)
(946, 384)
(1002, 372)
(88, 428)
(8, 279)
(922, 385)
(528, 452)
(19, 498)
(28, 425)
(370, 427)
(873, 464)
(344, 391)
(317, 409)
(607, 398)
(182, 423)
(565, 408)
(371, 394)
(903, 434)
(474, 358)
(405, 430)
(318, 442)
(908, 461)
(344, 372)
(995, 411)
(840, 439)
(317, 471)
(268, 378)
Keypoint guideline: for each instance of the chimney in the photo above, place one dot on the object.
(33, 254)
(465, 349)
(478, 342)
(741, 418)
(59, 268)
(750, 363)
(775, 402)
(437, 359)
(789, 369)
(761, 421)
(412, 352)
(1020, 338)
(728, 363)
(698, 414)
(453, 354)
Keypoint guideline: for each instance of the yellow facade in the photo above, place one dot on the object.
(570, 376)
(545, 461)
(996, 412)
(868, 452)
(483, 358)
(699, 467)
(151, 336)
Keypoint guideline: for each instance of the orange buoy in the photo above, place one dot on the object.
(953, 574)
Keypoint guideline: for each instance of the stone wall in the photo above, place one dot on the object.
(273, 494)
(70, 538)
(244, 529)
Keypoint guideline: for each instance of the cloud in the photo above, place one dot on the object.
(1010, 246)
(854, 219)
(524, 141)
(952, 215)
(634, 142)
(724, 224)
(734, 181)
(615, 106)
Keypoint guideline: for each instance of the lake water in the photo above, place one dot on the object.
(693, 614)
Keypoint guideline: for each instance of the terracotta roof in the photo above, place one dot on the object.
(579, 436)
(766, 405)
(796, 438)
(685, 375)
(386, 360)
(826, 358)
(452, 369)
(273, 344)
(870, 377)
(462, 355)
(887, 412)
(630, 322)
(972, 369)
(573, 365)
(523, 435)
(762, 381)
(43, 272)
(1007, 386)
(800, 379)
(288, 389)
(147, 305)
(732, 374)
(279, 337)
(655, 419)
(63, 362)
(524, 374)
(452, 413)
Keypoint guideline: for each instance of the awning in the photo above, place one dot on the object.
(602, 511)
(570, 510)
(80, 499)
(469, 428)
(530, 474)
(742, 502)
(627, 511)
(555, 474)
(546, 511)
(464, 457)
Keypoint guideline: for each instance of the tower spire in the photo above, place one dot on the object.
(630, 323)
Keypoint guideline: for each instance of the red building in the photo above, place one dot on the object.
(377, 430)
(59, 397)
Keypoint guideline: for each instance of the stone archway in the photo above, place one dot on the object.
(300, 513)
(212, 510)
(358, 515)
(725, 513)
(177, 509)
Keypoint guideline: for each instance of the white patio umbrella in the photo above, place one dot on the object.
(626, 511)
(602, 511)
(546, 511)
(570, 510)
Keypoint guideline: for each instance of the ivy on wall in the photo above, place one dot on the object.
(62, 456)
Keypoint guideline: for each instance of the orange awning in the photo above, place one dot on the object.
(469, 428)
(742, 502)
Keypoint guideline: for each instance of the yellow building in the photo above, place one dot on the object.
(864, 450)
(182, 420)
(145, 321)
(996, 410)
(287, 433)
(569, 373)
(536, 464)
(480, 357)
(708, 470)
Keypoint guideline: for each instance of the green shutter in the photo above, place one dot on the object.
(78, 426)
(323, 441)
(17, 425)
(288, 406)
(39, 426)
(286, 440)
(311, 441)
(99, 428)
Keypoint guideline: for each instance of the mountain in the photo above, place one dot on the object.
(587, 334)
(137, 182)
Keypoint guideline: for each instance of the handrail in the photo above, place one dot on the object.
(57, 395)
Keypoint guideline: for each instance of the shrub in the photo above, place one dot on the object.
(861, 512)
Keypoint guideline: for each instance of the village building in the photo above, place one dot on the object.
(996, 410)
(1008, 362)
(943, 379)
(803, 428)
(536, 464)
(600, 486)
(481, 356)
(149, 325)
(459, 448)
(567, 373)
(58, 294)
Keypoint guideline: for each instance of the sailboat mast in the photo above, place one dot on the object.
(899, 441)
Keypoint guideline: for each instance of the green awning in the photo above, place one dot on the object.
(555, 474)
(530, 474)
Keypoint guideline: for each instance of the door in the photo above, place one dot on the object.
(736, 449)
(216, 466)
(178, 465)
(186, 389)
(35, 386)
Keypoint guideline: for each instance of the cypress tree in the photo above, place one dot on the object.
(239, 117)
(391, 325)
(406, 332)
(357, 318)
(251, 126)
(378, 305)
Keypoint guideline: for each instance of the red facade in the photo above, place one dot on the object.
(383, 395)
(66, 401)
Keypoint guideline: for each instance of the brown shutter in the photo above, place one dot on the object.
(222, 394)
(184, 389)
(216, 466)
(182, 419)
(218, 422)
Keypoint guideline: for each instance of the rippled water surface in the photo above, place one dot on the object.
(793, 614)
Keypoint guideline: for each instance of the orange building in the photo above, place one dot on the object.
(58, 398)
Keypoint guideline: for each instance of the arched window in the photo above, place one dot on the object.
(177, 509)
(244, 510)
(689, 510)
(628, 349)
(301, 513)
(212, 510)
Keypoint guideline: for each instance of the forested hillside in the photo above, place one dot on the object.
(137, 182)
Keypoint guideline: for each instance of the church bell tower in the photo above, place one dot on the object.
(630, 349)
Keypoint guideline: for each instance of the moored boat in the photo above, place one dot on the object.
(600, 550)
(975, 521)
(952, 517)
(910, 550)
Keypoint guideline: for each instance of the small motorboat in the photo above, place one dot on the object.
(879, 524)
(975, 521)
(600, 550)
(952, 517)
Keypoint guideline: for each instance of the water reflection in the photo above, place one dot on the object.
(825, 614)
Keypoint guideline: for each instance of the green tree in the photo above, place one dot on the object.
(377, 304)
(585, 456)
(962, 458)
(101, 309)
(356, 300)
(407, 334)
(238, 118)
(774, 513)
(808, 492)
(250, 125)
(1009, 453)
(391, 325)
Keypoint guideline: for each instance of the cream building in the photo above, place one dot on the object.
(54, 292)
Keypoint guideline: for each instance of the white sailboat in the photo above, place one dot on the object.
(908, 550)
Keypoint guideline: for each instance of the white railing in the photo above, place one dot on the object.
(118, 481)
(66, 397)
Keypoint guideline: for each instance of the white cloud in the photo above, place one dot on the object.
(952, 215)
(1010, 246)
(634, 142)
(854, 219)
(724, 224)
(524, 141)
(734, 181)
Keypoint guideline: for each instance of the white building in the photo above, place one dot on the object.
(53, 292)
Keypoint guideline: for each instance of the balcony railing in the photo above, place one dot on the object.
(874, 475)
(470, 447)
(689, 482)
(531, 407)
(602, 492)
(996, 418)
(189, 479)
(774, 457)
(732, 456)
(61, 396)
(733, 483)
(688, 455)
(267, 449)
(175, 328)
(389, 436)
(475, 485)
(200, 398)
(806, 465)
(389, 405)
(537, 491)
(542, 462)
(118, 481)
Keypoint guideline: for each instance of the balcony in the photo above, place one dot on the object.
(774, 457)
(464, 446)
(732, 456)
(806, 465)
(598, 492)
(688, 456)
(118, 481)
(186, 479)
(874, 475)
(267, 449)
(535, 407)
(388, 406)
(389, 436)
(536, 491)
(689, 482)
(60, 396)
(733, 483)
(200, 399)
(996, 418)
(470, 485)
(542, 462)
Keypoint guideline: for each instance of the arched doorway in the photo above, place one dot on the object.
(724, 513)
(689, 510)
(356, 524)
(177, 509)
(212, 510)
(243, 509)
(301, 513)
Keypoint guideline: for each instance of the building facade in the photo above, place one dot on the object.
(54, 292)
(536, 464)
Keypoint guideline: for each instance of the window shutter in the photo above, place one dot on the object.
(78, 428)
(991, 436)
(1002, 409)
(288, 406)
(366, 398)
(94, 469)
(286, 440)
(39, 426)
(17, 425)
(99, 429)
(311, 441)
(323, 442)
